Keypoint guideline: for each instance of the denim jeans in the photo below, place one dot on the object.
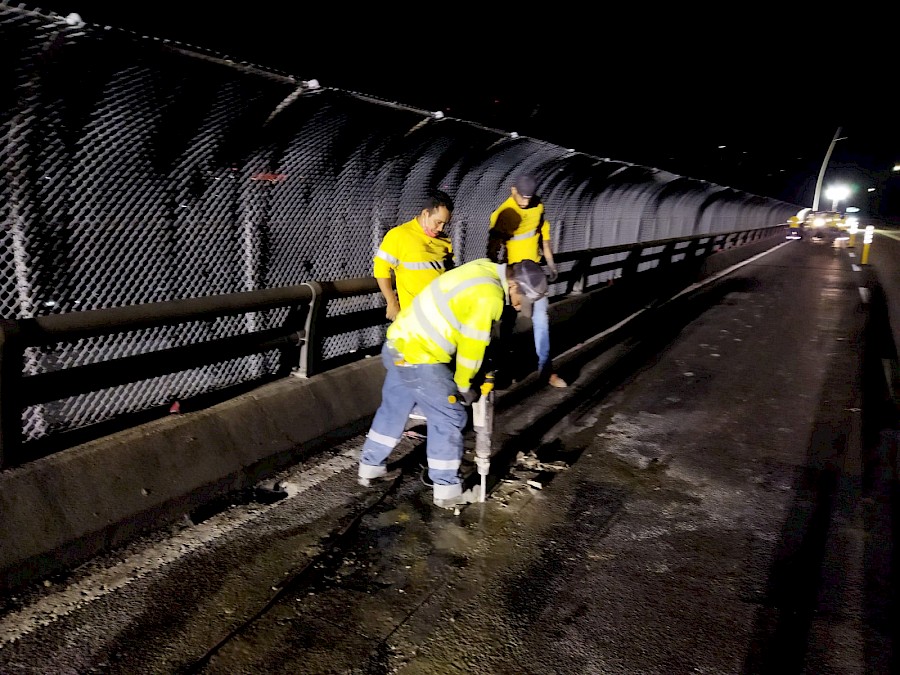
(500, 352)
(429, 386)
(540, 320)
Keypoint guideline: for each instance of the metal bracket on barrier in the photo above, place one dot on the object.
(309, 353)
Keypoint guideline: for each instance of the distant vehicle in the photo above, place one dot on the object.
(829, 227)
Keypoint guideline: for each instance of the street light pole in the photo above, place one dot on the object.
(837, 137)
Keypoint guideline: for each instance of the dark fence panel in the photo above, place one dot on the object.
(135, 171)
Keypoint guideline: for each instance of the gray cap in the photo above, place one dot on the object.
(525, 185)
(532, 283)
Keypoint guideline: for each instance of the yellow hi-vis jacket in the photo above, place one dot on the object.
(521, 229)
(453, 316)
(416, 259)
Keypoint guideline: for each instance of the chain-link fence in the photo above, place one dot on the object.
(135, 171)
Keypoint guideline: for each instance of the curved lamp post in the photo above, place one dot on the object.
(837, 137)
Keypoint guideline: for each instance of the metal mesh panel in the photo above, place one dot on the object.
(134, 171)
(94, 407)
(722, 212)
(678, 207)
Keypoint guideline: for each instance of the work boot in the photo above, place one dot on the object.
(369, 474)
(467, 497)
(556, 381)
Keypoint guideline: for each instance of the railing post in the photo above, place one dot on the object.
(666, 255)
(579, 275)
(631, 262)
(11, 352)
(692, 261)
(310, 350)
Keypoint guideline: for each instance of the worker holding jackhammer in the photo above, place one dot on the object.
(450, 321)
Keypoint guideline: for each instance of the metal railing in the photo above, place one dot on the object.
(298, 338)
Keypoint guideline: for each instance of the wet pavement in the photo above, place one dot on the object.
(714, 493)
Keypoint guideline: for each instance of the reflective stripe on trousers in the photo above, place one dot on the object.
(427, 385)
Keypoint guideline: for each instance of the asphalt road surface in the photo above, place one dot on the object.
(716, 493)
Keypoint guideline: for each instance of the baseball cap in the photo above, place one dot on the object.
(525, 185)
(532, 283)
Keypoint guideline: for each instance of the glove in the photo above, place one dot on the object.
(469, 396)
(553, 275)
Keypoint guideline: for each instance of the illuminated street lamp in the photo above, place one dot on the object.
(837, 193)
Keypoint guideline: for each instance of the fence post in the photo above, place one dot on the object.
(631, 262)
(579, 275)
(310, 350)
(11, 353)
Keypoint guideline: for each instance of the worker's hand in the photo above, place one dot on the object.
(393, 309)
(553, 274)
(469, 396)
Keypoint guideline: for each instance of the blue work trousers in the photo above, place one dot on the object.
(429, 386)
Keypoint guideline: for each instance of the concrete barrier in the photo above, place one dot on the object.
(63, 509)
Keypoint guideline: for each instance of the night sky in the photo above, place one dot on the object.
(631, 88)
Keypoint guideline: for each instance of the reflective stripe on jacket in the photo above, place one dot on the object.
(415, 258)
(453, 316)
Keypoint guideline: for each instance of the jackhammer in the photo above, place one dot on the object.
(483, 424)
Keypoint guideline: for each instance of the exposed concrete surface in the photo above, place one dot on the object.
(64, 508)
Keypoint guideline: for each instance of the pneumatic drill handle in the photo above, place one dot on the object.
(465, 398)
(488, 385)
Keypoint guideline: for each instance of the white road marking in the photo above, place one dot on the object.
(49, 609)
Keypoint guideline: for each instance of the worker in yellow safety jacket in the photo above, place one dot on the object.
(415, 252)
(518, 230)
(451, 320)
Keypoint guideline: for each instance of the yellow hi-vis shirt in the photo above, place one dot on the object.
(521, 229)
(415, 258)
(453, 315)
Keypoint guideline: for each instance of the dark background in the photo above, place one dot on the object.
(649, 88)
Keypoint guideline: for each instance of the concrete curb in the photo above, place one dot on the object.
(63, 509)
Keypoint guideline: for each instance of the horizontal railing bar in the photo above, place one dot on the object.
(42, 330)
(622, 248)
(59, 384)
(344, 323)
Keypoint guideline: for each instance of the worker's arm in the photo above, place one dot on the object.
(476, 336)
(496, 239)
(449, 259)
(393, 304)
(384, 264)
(469, 356)
(548, 251)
